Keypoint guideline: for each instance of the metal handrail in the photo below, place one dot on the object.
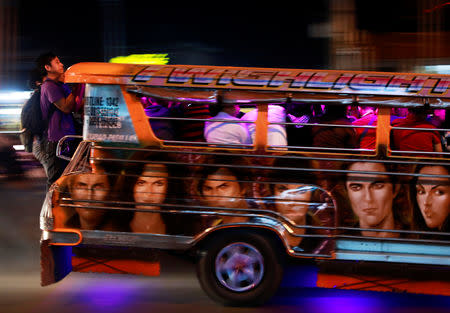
(262, 167)
(300, 157)
(252, 122)
(59, 145)
(421, 129)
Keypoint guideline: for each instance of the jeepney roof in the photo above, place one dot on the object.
(293, 81)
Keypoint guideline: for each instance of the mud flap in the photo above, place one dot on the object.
(115, 260)
(384, 277)
(56, 262)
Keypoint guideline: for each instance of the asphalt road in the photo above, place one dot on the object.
(175, 290)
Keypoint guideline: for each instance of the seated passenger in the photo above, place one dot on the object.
(437, 118)
(276, 134)
(192, 130)
(415, 140)
(366, 136)
(299, 135)
(441, 120)
(163, 129)
(226, 132)
(398, 113)
(334, 137)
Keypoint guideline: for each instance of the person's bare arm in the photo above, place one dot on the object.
(66, 105)
(438, 147)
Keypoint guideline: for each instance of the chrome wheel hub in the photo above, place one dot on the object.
(239, 267)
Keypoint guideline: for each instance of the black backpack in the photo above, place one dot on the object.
(33, 123)
(31, 119)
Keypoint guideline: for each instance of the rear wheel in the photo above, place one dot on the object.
(241, 269)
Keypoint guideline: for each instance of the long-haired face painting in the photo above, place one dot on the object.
(222, 189)
(433, 196)
(151, 186)
(371, 195)
(291, 200)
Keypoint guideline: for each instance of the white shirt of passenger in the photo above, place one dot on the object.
(276, 134)
(224, 132)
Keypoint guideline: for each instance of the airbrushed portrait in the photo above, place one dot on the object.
(430, 196)
(293, 193)
(86, 198)
(375, 202)
(223, 183)
(150, 186)
(169, 193)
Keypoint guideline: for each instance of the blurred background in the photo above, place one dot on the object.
(382, 35)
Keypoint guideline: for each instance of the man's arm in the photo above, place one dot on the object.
(66, 105)
(437, 147)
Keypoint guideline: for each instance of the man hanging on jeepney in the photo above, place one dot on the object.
(57, 104)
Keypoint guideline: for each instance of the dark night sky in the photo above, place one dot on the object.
(234, 35)
(265, 35)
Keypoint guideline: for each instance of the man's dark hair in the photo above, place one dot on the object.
(43, 60)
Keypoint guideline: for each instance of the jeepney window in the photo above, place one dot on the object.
(213, 118)
(200, 123)
(420, 132)
(323, 128)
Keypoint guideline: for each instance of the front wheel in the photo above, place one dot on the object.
(241, 269)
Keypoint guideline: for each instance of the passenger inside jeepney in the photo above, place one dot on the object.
(415, 140)
(223, 132)
(299, 135)
(188, 130)
(276, 133)
(366, 136)
(162, 128)
(334, 137)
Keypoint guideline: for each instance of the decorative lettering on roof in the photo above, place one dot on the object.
(295, 80)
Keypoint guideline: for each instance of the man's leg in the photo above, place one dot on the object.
(45, 152)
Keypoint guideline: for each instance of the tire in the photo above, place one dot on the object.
(242, 269)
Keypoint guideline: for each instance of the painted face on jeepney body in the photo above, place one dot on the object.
(88, 190)
(222, 189)
(433, 196)
(151, 187)
(291, 200)
(371, 195)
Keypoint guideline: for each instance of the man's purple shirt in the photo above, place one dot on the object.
(60, 123)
